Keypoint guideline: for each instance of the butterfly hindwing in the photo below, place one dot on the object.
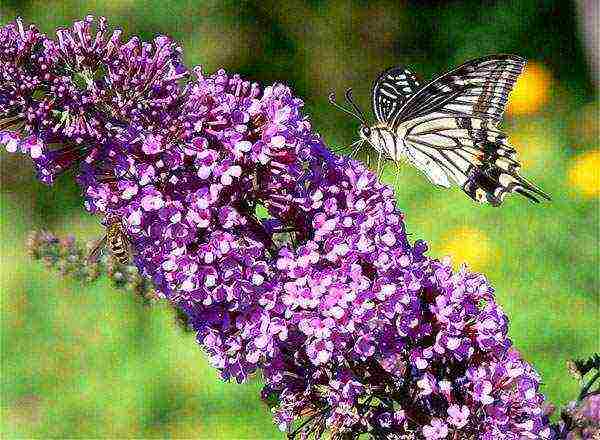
(391, 90)
(472, 153)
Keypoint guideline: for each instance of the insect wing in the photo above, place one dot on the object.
(95, 252)
(472, 153)
(390, 91)
(478, 88)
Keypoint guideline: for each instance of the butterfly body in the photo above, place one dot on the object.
(449, 128)
(387, 141)
(396, 145)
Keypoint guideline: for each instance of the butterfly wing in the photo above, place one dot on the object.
(470, 152)
(390, 91)
(478, 88)
(450, 130)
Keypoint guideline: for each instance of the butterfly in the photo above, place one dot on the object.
(449, 128)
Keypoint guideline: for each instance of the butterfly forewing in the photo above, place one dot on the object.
(477, 88)
(391, 90)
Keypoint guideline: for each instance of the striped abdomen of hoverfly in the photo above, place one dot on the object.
(117, 242)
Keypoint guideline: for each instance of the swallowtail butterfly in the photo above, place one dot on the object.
(449, 127)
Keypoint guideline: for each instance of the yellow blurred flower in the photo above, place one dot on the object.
(532, 90)
(584, 173)
(467, 245)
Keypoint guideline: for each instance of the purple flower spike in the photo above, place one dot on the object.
(91, 95)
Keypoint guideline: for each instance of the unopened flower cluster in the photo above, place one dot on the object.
(287, 259)
(71, 258)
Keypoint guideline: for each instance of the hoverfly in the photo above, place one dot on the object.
(115, 240)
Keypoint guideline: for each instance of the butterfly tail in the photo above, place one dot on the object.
(530, 196)
(491, 184)
(529, 190)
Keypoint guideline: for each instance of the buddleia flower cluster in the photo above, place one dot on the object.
(287, 260)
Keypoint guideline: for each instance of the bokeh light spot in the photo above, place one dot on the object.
(532, 90)
(584, 174)
(468, 245)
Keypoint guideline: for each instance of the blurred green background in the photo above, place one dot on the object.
(92, 362)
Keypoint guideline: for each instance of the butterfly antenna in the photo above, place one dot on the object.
(334, 103)
(356, 108)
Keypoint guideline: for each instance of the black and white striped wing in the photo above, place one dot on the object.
(390, 91)
(470, 152)
(478, 88)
